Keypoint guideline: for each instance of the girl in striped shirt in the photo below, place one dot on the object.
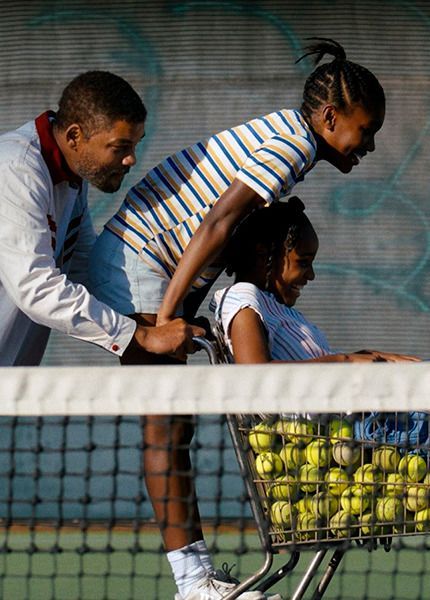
(165, 241)
(271, 255)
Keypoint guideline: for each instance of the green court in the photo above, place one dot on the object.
(119, 574)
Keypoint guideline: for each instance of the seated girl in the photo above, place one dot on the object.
(271, 255)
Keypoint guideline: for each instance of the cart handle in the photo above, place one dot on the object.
(208, 347)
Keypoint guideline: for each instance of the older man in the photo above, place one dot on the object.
(45, 227)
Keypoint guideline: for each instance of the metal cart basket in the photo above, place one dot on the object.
(325, 482)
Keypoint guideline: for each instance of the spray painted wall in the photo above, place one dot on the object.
(202, 66)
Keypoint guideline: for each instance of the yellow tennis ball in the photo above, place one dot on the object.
(283, 514)
(340, 430)
(423, 519)
(337, 480)
(417, 498)
(341, 524)
(309, 476)
(353, 500)
(318, 454)
(307, 527)
(293, 456)
(300, 431)
(389, 509)
(386, 458)
(304, 504)
(324, 505)
(413, 467)
(281, 427)
(261, 437)
(268, 465)
(394, 485)
(284, 487)
(345, 453)
(369, 477)
(369, 526)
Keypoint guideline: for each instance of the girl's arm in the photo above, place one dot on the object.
(250, 346)
(208, 241)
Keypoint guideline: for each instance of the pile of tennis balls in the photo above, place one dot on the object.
(320, 483)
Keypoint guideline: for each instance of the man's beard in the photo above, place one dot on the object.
(106, 179)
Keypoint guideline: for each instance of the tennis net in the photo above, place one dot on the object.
(76, 520)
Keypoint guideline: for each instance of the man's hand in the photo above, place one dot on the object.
(173, 338)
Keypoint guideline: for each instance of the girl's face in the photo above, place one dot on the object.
(292, 270)
(349, 135)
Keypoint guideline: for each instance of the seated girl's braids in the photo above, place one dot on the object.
(340, 81)
(276, 226)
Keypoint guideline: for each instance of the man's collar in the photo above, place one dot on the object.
(51, 153)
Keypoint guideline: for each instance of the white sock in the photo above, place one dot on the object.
(186, 567)
(205, 557)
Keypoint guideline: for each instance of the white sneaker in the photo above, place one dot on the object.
(215, 586)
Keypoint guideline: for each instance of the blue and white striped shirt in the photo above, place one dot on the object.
(160, 214)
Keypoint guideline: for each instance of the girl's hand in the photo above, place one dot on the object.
(377, 356)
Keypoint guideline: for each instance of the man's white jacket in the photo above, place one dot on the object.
(45, 238)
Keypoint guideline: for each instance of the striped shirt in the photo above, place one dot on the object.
(290, 335)
(159, 215)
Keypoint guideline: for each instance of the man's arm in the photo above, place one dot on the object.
(38, 288)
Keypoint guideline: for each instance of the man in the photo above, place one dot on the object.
(45, 227)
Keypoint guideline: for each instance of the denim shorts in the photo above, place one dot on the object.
(122, 280)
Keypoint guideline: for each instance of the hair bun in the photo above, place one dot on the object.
(295, 205)
(323, 47)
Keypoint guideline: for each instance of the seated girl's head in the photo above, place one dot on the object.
(274, 249)
(345, 105)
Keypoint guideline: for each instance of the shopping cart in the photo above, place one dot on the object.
(328, 482)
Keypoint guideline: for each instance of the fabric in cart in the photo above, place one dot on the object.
(408, 431)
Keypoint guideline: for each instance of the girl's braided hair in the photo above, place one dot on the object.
(340, 81)
(278, 227)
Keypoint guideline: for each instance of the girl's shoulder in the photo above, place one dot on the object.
(242, 288)
(239, 294)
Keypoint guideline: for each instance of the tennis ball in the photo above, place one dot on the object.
(293, 456)
(324, 505)
(353, 500)
(413, 467)
(339, 430)
(298, 431)
(369, 477)
(368, 525)
(281, 427)
(417, 498)
(422, 518)
(337, 480)
(282, 514)
(341, 523)
(284, 487)
(345, 453)
(394, 485)
(261, 437)
(309, 477)
(389, 509)
(307, 527)
(317, 453)
(386, 458)
(304, 504)
(268, 465)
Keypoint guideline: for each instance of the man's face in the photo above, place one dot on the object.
(104, 159)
